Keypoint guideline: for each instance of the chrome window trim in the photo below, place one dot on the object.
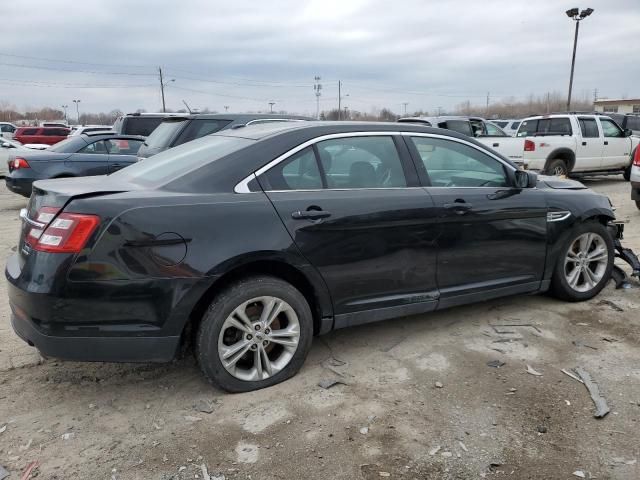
(243, 185)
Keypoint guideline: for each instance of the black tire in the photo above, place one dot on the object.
(206, 348)
(560, 286)
(626, 174)
(638, 204)
(556, 166)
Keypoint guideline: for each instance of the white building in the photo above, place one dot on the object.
(617, 105)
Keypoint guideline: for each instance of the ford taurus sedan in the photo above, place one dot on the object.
(249, 242)
(77, 156)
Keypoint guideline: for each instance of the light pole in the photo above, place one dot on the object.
(576, 15)
(77, 102)
(226, 108)
(64, 107)
(317, 87)
(271, 104)
(162, 85)
(404, 104)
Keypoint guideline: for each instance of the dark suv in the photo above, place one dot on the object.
(177, 130)
(141, 124)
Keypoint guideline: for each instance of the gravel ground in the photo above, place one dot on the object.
(417, 401)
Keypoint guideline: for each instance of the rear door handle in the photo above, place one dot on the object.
(606, 143)
(584, 144)
(496, 144)
(458, 207)
(310, 215)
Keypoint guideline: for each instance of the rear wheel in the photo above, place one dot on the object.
(557, 167)
(626, 174)
(585, 263)
(255, 333)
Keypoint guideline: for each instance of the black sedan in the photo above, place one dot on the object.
(249, 242)
(77, 156)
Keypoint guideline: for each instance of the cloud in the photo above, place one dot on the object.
(244, 54)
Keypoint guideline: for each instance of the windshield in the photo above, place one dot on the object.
(180, 160)
(162, 136)
(69, 145)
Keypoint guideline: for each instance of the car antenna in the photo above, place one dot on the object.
(187, 105)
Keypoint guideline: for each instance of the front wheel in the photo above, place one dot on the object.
(557, 167)
(585, 263)
(255, 333)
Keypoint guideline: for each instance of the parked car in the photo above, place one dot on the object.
(81, 155)
(635, 178)
(484, 131)
(174, 131)
(7, 130)
(139, 123)
(510, 127)
(41, 135)
(91, 129)
(54, 124)
(577, 144)
(7, 148)
(256, 239)
(626, 121)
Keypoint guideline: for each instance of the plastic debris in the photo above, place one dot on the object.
(495, 363)
(463, 446)
(204, 406)
(533, 372)
(384, 474)
(68, 436)
(542, 429)
(434, 450)
(27, 471)
(3, 428)
(328, 383)
(613, 306)
(191, 418)
(439, 385)
(566, 372)
(601, 404)
(364, 430)
(579, 473)
(205, 472)
(447, 454)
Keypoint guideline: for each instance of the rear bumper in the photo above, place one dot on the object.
(21, 186)
(94, 349)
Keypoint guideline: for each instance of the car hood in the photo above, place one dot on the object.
(547, 181)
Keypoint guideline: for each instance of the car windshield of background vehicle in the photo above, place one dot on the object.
(610, 129)
(453, 164)
(178, 161)
(162, 136)
(493, 131)
(589, 127)
(141, 125)
(460, 126)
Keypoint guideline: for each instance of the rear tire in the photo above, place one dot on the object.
(585, 263)
(239, 350)
(638, 204)
(626, 174)
(557, 167)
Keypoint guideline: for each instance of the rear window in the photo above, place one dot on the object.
(178, 161)
(141, 125)
(201, 127)
(545, 126)
(162, 136)
(460, 126)
(633, 123)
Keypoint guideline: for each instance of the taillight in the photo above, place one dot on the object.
(636, 157)
(20, 163)
(64, 233)
(529, 146)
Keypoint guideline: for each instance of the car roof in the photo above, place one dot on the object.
(438, 119)
(237, 117)
(113, 135)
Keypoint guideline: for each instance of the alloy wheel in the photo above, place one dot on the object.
(259, 338)
(586, 262)
(559, 170)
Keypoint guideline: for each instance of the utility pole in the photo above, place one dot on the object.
(548, 102)
(346, 113)
(64, 107)
(339, 97)
(162, 89)
(439, 111)
(271, 104)
(404, 105)
(226, 108)
(317, 87)
(595, 95)
(577, 16)
(77, 102)
(487, 111)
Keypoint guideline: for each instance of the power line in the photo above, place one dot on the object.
(73, 61)
(31, 83)
(41, 67)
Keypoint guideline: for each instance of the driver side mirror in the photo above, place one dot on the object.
(526, 179)
(628, 132)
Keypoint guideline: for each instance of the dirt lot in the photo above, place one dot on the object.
(418, 399)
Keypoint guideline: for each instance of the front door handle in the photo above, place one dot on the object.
(458, 207)
(606, 143)
(496, 144)
(310, 215)
(584, 144)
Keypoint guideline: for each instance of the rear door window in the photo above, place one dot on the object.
(30, 131)
(460, 126)
(298, 172)
(98, 148)
(528, 128)
(589, 127)
(123, 146)
(200, 127)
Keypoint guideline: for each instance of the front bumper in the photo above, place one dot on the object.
(21, 186)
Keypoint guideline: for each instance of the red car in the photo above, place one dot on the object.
(46, 135)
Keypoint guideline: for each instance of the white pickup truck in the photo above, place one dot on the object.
(558, 144)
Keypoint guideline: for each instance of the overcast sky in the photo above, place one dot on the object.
(244, 54)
